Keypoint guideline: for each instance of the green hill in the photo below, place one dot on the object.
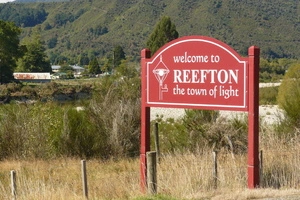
(94, 27)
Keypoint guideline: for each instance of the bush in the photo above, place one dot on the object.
(23, 132)
(79, 136)
(107, 127)
(206, 129)
(173, 136)
(200, 130)
(268, 96)
(115, 109)
(289, 95)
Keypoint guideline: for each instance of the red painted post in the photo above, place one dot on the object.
(145, 122)
(253, 118)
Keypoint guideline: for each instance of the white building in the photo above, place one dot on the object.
(33, 77)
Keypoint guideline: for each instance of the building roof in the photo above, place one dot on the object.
(75, 67)
(55, 67)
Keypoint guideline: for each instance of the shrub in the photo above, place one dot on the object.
(289, 95)
(23, 132)
(268, 95)
(200, 130)
(115, 109)
(206, 129)
(79, 136)
(173, 136)
(29, 92)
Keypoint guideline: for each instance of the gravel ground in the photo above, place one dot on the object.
(268, 114)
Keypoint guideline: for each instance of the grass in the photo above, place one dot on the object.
(180, 176)
(268, 95)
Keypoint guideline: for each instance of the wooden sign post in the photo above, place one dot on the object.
(198, 72)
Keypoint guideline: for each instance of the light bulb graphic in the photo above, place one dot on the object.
(161, 72)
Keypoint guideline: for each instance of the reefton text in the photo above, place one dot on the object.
(206, 76)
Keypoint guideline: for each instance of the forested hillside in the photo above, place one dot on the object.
(30, 1)
(90, 28)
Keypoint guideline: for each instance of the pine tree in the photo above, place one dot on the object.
(164, 32)
(119, 55)
(94, 67)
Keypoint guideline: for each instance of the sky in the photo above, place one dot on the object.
(5, 1)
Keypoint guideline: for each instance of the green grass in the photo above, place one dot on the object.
(268, 95)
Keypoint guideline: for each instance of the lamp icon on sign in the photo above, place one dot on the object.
(161, 72)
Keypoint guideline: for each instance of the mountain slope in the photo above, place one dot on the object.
(94, 27)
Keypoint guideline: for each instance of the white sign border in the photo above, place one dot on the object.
(198, 105)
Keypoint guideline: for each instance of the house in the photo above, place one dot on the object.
(55, 68)
(77, 69)
(33, 77)
(59, 75)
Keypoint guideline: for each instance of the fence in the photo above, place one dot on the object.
(179, 175)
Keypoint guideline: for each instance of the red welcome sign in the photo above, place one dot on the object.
(197, 72)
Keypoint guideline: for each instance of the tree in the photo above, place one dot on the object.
(289, 94)
(106, 64)
(94, 67)
(35, 58)
(10, 50)
(68, 70)
(52, 42)
(84, 60)
(119, 55)
(164, 32)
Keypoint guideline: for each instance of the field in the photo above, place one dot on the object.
(180, 176)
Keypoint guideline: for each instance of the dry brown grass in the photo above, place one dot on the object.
(181, 176)
(61, 179)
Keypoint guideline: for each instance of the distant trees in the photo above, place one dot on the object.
(94, 67)
(84, 60)
(10, 50)
(52, 42)
(63, 17)
(164, 32)
(271, 70)
(112, 62)
(98, 30)
(34, 59)
(65, 68)
(119, 55)
(25, 17)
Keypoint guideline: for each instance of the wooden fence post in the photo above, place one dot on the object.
(151, 172)
(215, 170)
(13, 179)
(261, 167)
(156, 135)
(84, 179)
